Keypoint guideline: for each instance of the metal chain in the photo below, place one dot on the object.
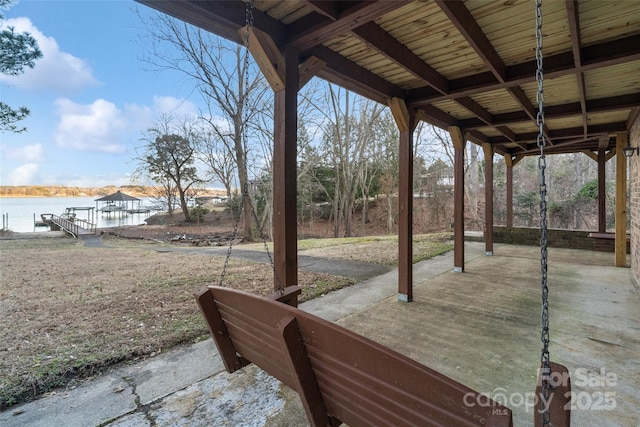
(233, 238)
(248, 22)
(264, 243)
(249, 25)
(542, 164)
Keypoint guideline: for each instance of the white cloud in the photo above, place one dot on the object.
(99, 126)
(103, 127)
(57, 70)
(27, 153)
(144, 116)
(177, 107)
(24, 175)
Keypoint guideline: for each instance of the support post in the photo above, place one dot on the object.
(488, 198)
(602, 201)
(285, 244)
(602, 183)
(621, 200)
(509, 202)
(458, 199)
(405, 122)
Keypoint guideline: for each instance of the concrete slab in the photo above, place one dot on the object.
(357, 270)
(482, 328)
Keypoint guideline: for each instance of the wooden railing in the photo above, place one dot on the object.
(75, 227)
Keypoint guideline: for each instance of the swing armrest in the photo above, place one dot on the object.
(288, 295)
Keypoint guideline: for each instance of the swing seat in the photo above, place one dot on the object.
(340, 376)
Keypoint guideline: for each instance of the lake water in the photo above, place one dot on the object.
(18, 212)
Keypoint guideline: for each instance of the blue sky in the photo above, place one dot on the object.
(90, 96)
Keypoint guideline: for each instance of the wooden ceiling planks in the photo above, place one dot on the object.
(509, 28)
(285, 12)
(444, 74)
(608, 117)
(558, 91)
(447, 51)
(613, 81)
(496, 101)
(454, 109)
(622, 19)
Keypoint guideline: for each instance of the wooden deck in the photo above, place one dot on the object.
(74, 227)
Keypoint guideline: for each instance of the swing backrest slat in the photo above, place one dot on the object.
(339, 374)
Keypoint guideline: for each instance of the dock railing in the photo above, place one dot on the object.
(74, 227)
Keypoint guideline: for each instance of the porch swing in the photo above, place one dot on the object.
(343, 377)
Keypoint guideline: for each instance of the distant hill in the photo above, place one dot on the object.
(62, 191)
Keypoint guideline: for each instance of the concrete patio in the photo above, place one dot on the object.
(480, 327)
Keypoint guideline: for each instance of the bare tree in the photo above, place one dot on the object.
(348, 135)
(219, 163)
(231, 86)
(169, 158)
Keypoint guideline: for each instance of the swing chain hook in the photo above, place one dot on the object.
(544, 356)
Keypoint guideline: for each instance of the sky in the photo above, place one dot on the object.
(91, 97)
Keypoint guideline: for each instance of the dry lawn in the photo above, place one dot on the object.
(70, 311)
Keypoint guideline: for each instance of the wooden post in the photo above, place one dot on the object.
(488, 198)
(405, 122)
(285, 244)
(621, 200)
(602, 182)
(281, 72)
(458, 199)
(509, 162)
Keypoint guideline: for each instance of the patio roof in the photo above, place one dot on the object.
(466, 64)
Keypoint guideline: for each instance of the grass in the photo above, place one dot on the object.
(72, 311)
(373, 249)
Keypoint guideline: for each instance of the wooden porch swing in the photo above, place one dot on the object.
(343, 377)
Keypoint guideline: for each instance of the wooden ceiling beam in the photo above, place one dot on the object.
(466, 24)
(633, 116)
(518, 94)
(566, 133)
(309, 69)
(379, 39)
(574, 32)
(511, 135)
(330, 9)
(614, 103)
(593, 57)
(476, 109)
(462, 19)
(316, 29)
(224, 17)
(436, 117)
(341, 71)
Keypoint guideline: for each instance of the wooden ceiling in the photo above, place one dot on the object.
(468, 63)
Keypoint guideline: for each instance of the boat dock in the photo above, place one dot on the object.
(69, 221)
(72, 226)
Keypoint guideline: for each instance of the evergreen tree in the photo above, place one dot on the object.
(18, 51)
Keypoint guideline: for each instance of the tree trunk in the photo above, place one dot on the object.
(183, 205)
(389, 214)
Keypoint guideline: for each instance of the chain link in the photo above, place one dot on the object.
(245, 191)
(263, 237)
(542, 165)
(229, 249)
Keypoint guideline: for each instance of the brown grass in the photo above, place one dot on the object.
(70, 311)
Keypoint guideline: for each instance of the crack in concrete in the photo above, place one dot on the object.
(145, 409)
